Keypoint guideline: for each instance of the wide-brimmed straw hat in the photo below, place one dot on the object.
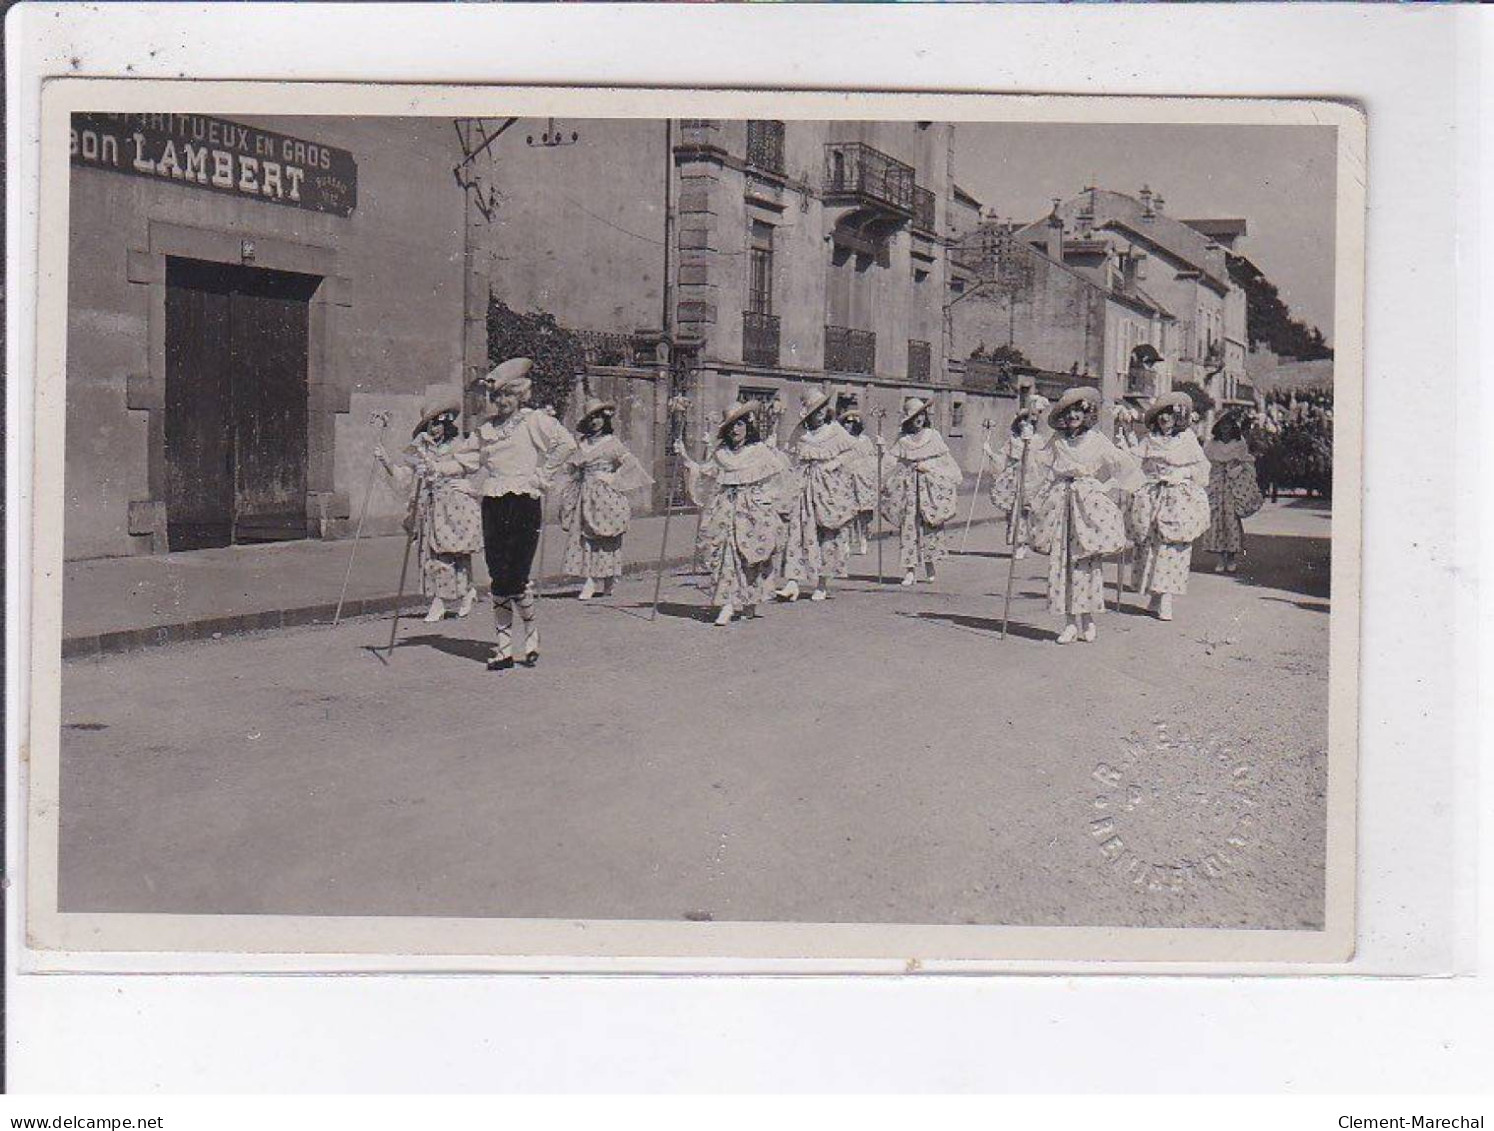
(852, 413)
(1037, 404)
(1177, 399)
(512, 376)
(912, 406)
(594, 407)
(738, 411)
(1089, 398)
(432, 407)
(812, 403)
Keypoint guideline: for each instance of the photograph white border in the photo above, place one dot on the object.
(647, 945)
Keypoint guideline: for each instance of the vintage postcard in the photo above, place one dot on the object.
(520, 525)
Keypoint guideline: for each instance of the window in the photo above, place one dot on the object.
(760, 269)
(956, 417)
(765, 145)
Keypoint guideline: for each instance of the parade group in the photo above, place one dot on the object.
(779, 521)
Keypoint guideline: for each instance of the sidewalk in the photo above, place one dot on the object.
(120, 604)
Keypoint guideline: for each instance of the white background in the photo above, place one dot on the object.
(1416, 73)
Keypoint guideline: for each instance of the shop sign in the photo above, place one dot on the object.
(219, 156)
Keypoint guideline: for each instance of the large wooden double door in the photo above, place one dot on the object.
(235, 414)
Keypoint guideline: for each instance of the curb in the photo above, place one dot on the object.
(95, 645)
(207, 628)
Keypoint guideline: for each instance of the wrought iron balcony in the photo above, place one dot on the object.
(765, 146)
(759, 338)
(920, 361)
(1053, 385)
(990, 377)
(923, 210)
(858, 174)
(850, 351)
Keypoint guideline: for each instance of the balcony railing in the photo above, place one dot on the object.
(923, 210)
(868, 176)
(759, 338)
(765, 146)
(1054, 385)
(920, 361)
(602, 348)
(990, 377)
(850, 351)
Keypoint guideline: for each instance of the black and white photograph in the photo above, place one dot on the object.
(543, 523)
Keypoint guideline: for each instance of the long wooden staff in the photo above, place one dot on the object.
(1011, 569)
(986, 427)
(1068, 548)
(671, 469)
(878, 413)
(399, 601)
(382, 420)
(705, 447)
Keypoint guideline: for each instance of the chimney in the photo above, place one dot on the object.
(1158, 203)
(1055, 233)
(1129, 262)
(1145, 196)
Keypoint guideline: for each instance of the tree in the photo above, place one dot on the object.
(1202, 402)
(1270, 320)
(556, 352)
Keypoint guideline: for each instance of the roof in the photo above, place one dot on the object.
(965, 198)
(1135, 298)
(1222, 230)
(1102, 208)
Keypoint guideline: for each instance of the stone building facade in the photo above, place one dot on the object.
(253, 304)
(243, 296)
(736, 259)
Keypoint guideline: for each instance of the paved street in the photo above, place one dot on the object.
(879, 757)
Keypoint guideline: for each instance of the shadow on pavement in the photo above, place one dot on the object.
(989, 625)
(637, 612)
(1294, 563)
(1310, 606)
(701, 613)
(1323, 506)
(1004, 555)
(891, 577)
(477, 651)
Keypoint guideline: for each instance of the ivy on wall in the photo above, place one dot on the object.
(557, 353)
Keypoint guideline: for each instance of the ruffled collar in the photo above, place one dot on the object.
(1181, 447)
(825, 442)
(927, 444)
(495, 432)
(749, 464)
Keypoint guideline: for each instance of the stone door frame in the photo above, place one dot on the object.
(327, 391)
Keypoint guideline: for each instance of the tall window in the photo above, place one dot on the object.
(760, 267)
(765, 145)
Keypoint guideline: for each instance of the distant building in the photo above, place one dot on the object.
(1179, 267)
(1072, 309)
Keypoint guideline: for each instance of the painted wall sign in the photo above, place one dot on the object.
(219, 156)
